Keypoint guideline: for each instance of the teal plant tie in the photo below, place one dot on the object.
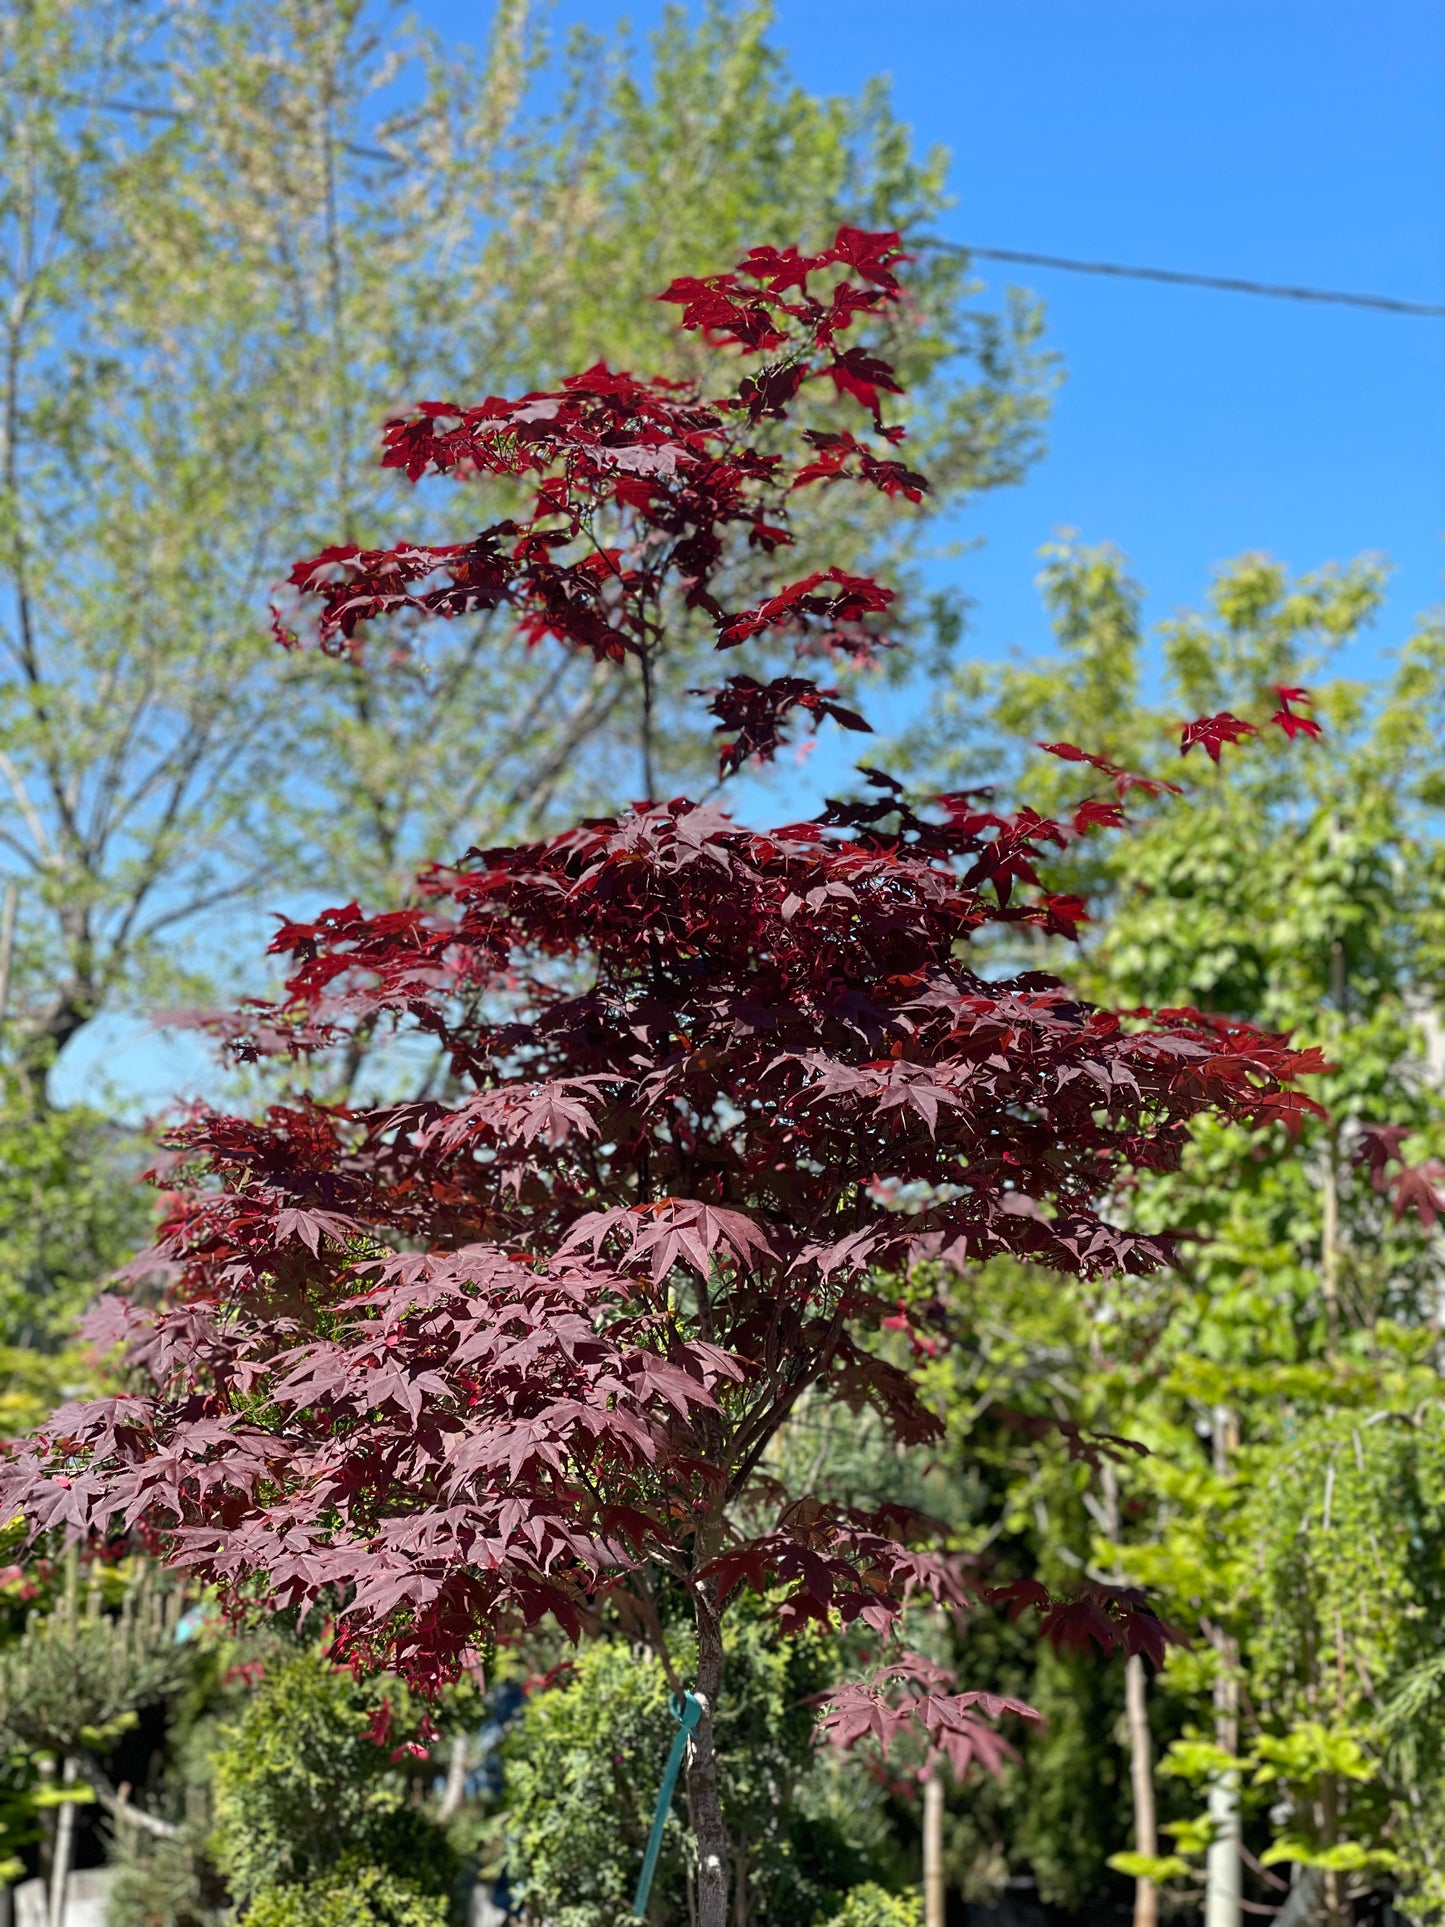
(687, 1710)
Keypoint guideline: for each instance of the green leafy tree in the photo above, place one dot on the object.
(288, 1795)
(71, 1211)
(1283, 1377)
(873, 1906)
(351, 1895)
(232, 235)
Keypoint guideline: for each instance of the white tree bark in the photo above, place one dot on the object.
(1222, 1865)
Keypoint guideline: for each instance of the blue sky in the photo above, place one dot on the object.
(1281, 140)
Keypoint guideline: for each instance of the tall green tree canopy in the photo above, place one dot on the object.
(1284, 1374)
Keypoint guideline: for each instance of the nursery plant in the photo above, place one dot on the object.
(690, 1099)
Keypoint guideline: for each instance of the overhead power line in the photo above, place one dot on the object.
(1230, 284)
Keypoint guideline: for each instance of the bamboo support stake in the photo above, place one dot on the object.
(1141, 1775)
(934, 1906)
(64, 1845)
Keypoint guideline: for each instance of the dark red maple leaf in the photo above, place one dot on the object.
(1105, 1619)
(1213, 732)
(1285, 717)
(841, 456)
(1091, 815)
(843, 598)
(1124, 780)
(1019, 1595)
(864, 377)
(1379, 1147)
(908, 1700)
(754, 714)
(1417, 1189)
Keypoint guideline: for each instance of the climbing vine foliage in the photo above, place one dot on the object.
(704, 1094)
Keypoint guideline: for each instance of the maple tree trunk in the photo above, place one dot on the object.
(1141, 1775)
(702, 1787)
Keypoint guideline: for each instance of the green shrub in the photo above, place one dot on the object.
(871, 1906)
(162, 1883)
(585, 1761)
(583, 1770)
(350, 1896)
(71, 1210)
(299, 1784)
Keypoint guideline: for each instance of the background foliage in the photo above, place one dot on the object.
(304, 218)
(1285, 1376)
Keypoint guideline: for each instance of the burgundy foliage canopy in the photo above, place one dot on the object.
(445, 1366)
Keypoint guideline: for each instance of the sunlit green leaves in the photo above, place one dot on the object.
(322, 217)
(1285, 1377)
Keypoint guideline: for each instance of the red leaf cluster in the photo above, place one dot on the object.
(1285, 717)
(643, 487)
(1105, 1619)
(765, 306)
(904, 1700)
(1123, 780)
(754, 712)
(463, 1364)
(1213, 732)
(1413, 1187)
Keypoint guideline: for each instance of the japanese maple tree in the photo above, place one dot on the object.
(522, 1345)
